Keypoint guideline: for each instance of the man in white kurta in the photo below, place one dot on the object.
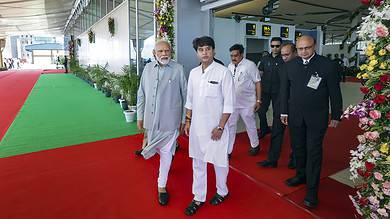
(210, 101)
(248, 94)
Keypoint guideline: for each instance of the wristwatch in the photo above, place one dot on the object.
(219, 128)
(258, 101)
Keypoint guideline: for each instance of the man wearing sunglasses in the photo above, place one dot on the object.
(270, 82)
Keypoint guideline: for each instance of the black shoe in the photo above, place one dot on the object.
(193, 208)
(291, 164)
(138, 152)
(254, 151)
(218, 199)
(310, 204)
(295, 181)
(163, 198)
(263, 134)
(267, 163)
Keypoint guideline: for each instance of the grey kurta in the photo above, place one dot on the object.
(160, 103)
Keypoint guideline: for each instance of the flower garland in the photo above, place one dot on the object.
(111, 26)
(164, 14)
(370, 162)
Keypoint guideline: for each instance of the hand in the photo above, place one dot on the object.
(187, 128)
(181, 129)
(257, 107)
(334, 123)
(216, 134)
(284, 120)
(140, 125)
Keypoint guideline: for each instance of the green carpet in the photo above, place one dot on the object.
(63, 110)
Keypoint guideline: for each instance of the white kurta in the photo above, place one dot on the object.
(209, 95)
(245, 75)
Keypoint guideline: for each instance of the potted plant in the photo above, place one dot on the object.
(129, 84)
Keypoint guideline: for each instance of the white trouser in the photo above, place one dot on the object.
(248, 116)
(165, 152)
(199, 184)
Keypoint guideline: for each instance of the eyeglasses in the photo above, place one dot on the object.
(304, 48)
(275, 46)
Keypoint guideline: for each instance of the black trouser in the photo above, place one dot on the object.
(266, 99)
(277, 136)
(307, 142)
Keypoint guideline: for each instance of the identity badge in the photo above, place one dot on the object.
(314, 81)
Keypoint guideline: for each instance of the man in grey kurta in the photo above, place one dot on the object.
(160, 110)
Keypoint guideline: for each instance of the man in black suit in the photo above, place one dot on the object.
(270, 83)
(307, 85)
(288, 52)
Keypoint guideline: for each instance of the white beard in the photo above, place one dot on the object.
(163, 61)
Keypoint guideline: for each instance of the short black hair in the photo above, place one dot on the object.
(238, 47)
(277, 39)
(292, 46)
(203, 41)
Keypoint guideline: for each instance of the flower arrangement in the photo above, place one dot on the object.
(91, 36)
(164, 14)
(370, 162)
(111, 26)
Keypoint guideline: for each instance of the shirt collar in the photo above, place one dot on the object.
(241, 62)
(208, 67)
(308, 60)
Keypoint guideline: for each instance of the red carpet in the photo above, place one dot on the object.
(15, 87)
(337, 144)
(333, 200)
(105, 180)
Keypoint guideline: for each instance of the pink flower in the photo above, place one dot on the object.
(372, 136)
(388, 47)
(382, 212)
(376, 154)
(361, 139)
(386, 192)
(371, 123)
(378, 176)
(382, 31)
(386, 185)
(375, 114)
(363, 120)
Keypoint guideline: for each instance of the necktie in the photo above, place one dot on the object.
(234, 73)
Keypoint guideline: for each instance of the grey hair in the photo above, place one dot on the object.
(162, 41)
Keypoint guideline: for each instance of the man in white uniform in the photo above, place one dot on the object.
(210, 101)
(248, 94)
(160, 110)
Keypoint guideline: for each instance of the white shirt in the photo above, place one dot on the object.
(209, 95)
(346, 62)
(245, 75)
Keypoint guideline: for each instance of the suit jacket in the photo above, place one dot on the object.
(160, 101)
(303, 103)
(270, 81)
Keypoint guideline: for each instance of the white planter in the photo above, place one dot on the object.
(129, 115)
(133, 108)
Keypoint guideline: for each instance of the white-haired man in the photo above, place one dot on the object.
(160, 108)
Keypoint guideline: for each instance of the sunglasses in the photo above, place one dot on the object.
(275, 46)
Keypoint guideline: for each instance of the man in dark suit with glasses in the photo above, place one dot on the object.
(270, 82)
